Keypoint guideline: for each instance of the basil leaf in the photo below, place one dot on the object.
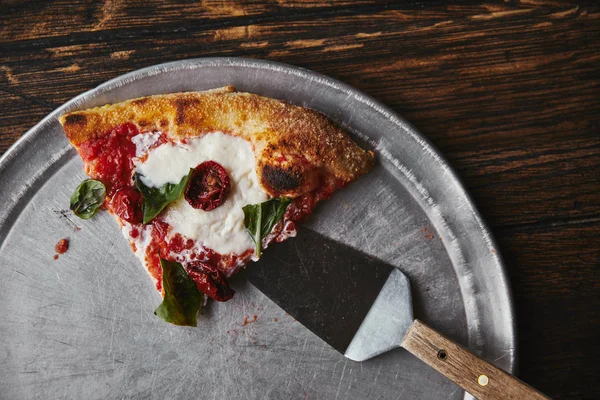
(87, 198)
(182, 299)
(260, 219)
(156, 199)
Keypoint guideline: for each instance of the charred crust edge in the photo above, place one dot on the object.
(182, 107)
(139, 102)
(281, 179)
(75, 119)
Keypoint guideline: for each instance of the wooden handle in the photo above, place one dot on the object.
(478, 377)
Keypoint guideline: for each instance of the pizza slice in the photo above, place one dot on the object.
(202, 182)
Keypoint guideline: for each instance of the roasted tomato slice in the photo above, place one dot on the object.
(127, 204)
(208, 187)
(210, 281)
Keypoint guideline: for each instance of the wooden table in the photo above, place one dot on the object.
(508, 91)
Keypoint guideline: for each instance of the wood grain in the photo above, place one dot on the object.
(553, 271)
(476, 376)
(508, 91)
(467, 90)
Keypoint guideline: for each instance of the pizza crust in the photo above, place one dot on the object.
(294, 146)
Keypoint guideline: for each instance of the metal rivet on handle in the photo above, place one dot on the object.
(483, 380)
(442, 355)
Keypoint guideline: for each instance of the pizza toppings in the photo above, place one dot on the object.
(127, 204)
(210, 281)
(261, 218)
(155, 199)
(146, 141)
(87, 198)
(208, 186)
(157, 239)
(62, 246)
(182, 300)
(222, 228)
(109, 158)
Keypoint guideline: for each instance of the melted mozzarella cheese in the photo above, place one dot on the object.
(221, 229)
(144, 141)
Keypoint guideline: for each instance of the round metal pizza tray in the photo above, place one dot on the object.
(82, 326)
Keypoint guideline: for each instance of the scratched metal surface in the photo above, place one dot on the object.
(82, 327)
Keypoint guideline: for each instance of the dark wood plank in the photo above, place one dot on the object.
(486, 89)
(554, 277)
(21, 111)
(47, 18)
(39, 19)
(508, 91)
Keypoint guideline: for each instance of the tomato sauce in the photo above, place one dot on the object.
(206, 267)
(127, 204)
(111, 157)
(62, 246)
(303, 206)
(210, 281)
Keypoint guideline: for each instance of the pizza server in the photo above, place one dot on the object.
(362, 307)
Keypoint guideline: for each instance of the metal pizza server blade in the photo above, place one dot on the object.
(359, 305)
(362, 307)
